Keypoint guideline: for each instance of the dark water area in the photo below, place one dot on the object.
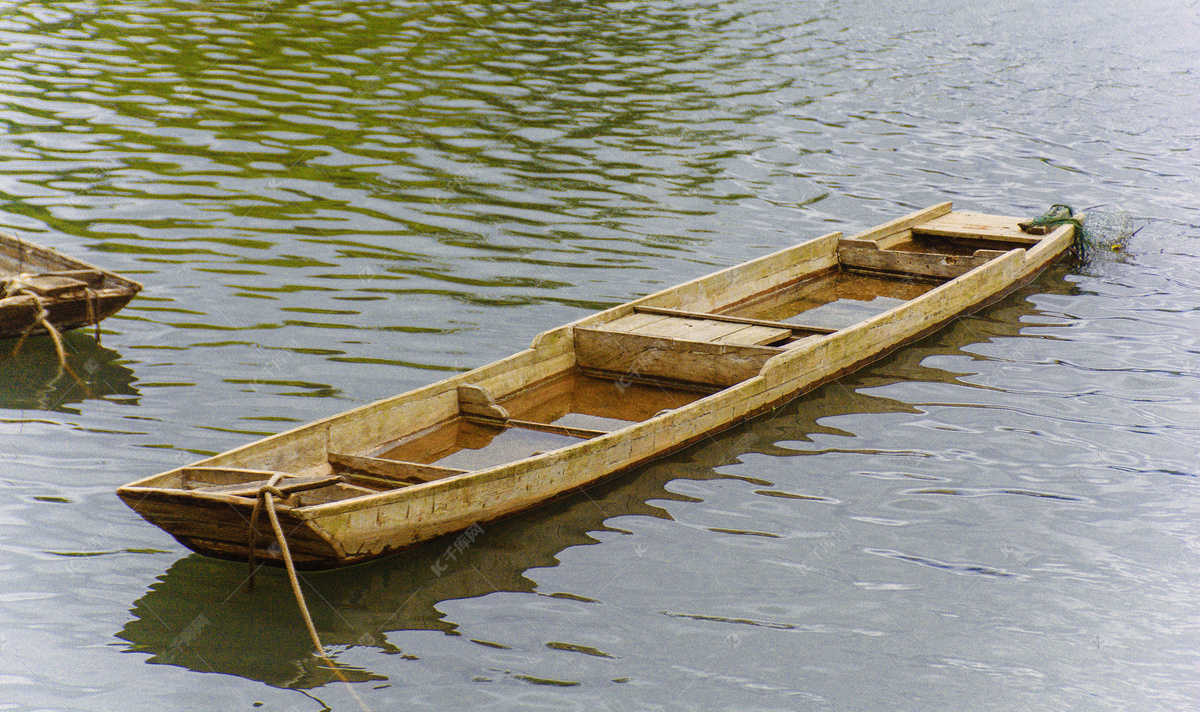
(329, 203)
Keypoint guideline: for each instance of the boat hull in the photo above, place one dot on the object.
(42, 284)
(737, 367)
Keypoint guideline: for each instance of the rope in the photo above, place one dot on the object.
(16, 286)
(91, 306)
(266, 498)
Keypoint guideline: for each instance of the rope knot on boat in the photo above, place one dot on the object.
(19, 286)
(265, 499)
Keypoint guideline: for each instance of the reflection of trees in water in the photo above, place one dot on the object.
(450, 107)
(33, 379)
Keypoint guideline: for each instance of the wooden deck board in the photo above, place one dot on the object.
(976, 226)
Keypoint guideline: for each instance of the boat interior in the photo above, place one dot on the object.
(48, 274)
(644, 360)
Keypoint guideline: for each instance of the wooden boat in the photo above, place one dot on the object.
(40, 285)
(595, 397)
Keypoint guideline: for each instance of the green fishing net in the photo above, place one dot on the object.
(1096, 231)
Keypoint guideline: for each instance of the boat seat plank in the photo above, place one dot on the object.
(53, 285)
(975, 226)
(288, 485)
(866, 255)
(649, 357)
(632, 322)
(754, 335)
(698, 327)
(691, 329)
(785, 325)
(92, 277)
(395, 470)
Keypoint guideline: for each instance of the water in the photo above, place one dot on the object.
(331, 202)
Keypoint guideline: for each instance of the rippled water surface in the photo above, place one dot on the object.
(333, 202)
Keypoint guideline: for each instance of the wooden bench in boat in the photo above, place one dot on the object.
(689, 352)
(867, 255)
(257, 479)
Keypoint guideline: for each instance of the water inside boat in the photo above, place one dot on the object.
(559, 412)
(644, 361)
(655, 359)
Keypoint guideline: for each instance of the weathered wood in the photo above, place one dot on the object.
(864, 254)
(91, 277)
(735, 382)
(47, 285)
(689, 329)
(694, 326)
(478, 402)
(976, 226)
(289, 484)
(646, 356)
(584, 433)
(394, 470)
(71, 292)
(635, 320)
(196, 476)
(896, 228)
(784, 325)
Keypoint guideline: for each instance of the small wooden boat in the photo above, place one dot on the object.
(39, 286)
(596, 396)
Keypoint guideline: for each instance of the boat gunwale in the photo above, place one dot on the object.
(1024, 262)
(547, 340)
(779, 361)
(50, 254)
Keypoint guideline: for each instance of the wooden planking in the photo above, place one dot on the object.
(287, 485)
(694, 326)
(359, 528)
(864, 254)
(754, 335)
(396, 470)
(634, 321)
(689, 329)
(974, 225)
(54, 286)
(585, 433)
(645, 356)
(478, 402)
(888, 229)
(784, 325)
(92, 277)
(194, 476)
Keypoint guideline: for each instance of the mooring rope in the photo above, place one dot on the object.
(266, 499)
(18, 286)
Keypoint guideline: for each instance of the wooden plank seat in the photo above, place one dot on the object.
(978, 227)
(697, 327)
(649, 357)
(867, 255)
(793, 327)
(288, 484)
(53, 285)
